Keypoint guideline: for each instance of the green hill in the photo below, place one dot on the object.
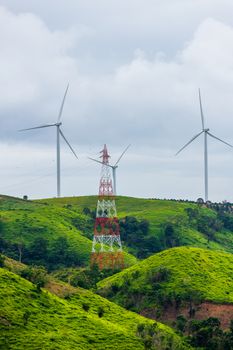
(57, 232)
(46, 234)
(191, 224)
(173, 276)
(31, 318)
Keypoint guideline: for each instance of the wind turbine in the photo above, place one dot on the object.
(59, 133)
(206, 133)
(114, 167)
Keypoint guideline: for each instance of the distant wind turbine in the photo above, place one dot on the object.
(206, 133)
(59, 132)
(114, 167)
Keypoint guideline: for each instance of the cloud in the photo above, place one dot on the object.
(30, 55)
(148, 99)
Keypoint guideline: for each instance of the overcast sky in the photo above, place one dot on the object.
(134, 68)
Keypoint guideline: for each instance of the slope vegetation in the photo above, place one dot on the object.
(57, 233)
(189, 223)
(31, 318)
(173, 278)
(46, 234)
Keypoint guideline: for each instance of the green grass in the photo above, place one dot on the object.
(174, 274)
(34, 320)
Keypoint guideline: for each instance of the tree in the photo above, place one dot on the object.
(171, 236)
(207, 334)
(58, 252)
(135, 234)
(26, 316)
(62, 254)
(3, 244)
(193, 214)
(20, 246)
(86, 211)
(2, 259)
(181, 322)
(209, 225)
(39, 249)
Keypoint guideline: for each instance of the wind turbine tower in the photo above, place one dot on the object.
(58, 134)
(106, 246)
(206, 132)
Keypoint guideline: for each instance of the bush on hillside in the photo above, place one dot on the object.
(135, 235)
(227, 220)
(207, 334)
(171, 236)
(54, 255)
(35, 274)
(205, 223)
(2, 259)
(181, 323)
(85, 225)
(160, 274)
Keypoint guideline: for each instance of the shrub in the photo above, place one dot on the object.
(181, 322)
(140, 328)
(148, 342)
(36, 275)
(160, 275)
(26, 316)
(2, 259)
(86, 307)
(100, 311)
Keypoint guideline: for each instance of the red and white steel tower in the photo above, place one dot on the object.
(106, 246)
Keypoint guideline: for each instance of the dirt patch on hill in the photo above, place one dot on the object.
(224, 312)
(60, 289)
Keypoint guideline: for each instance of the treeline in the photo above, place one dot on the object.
(210, 224)
(205, 334)
(134, 234)
(200, 201)
(84, 277)
(41, 252)
(141, 242)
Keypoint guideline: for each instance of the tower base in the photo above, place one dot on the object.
(108, 260)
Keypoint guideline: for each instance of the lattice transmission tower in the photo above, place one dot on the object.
(106, 246)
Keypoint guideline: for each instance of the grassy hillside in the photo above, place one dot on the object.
(46, 234)
(57, 233)
(172, 276)
(193, 225)
(36, 319)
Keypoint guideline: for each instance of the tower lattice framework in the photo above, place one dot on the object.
(106, 246)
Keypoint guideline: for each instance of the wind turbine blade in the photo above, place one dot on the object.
(201, 109)
(62, 105)
(72, 150)
(122, 154)
(98, 161)
(192, 139)
(38, 127)
(215, 137)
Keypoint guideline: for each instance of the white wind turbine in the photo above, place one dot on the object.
(58, 132)
(114, 168)
(206, 133)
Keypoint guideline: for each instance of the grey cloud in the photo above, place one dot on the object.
(128, 84)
